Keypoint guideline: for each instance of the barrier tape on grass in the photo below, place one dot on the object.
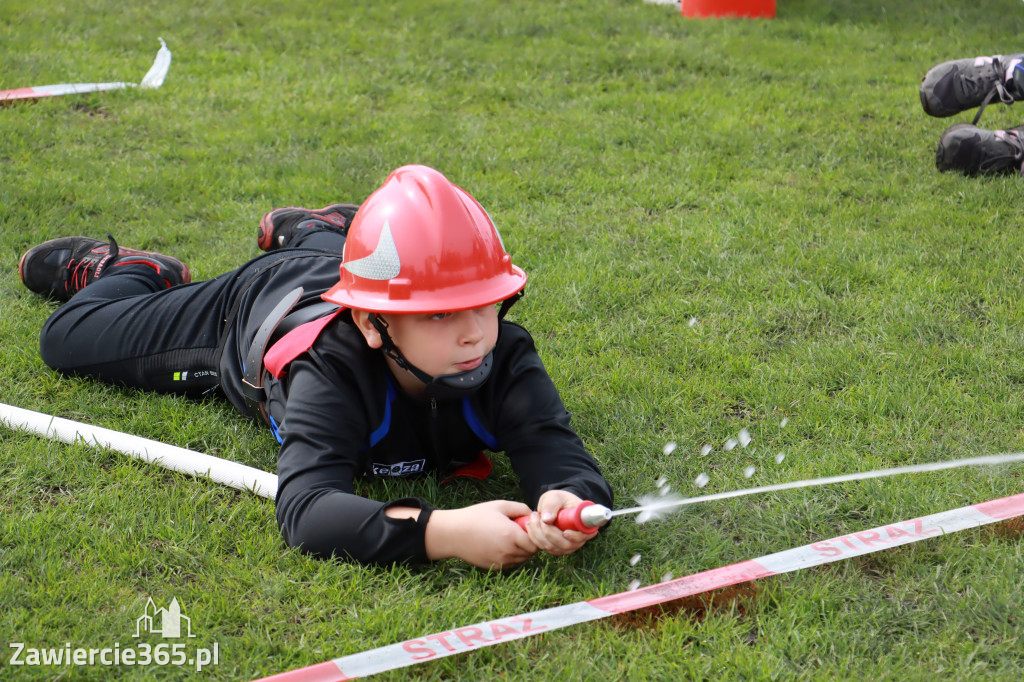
(488, 633)
(154, 78)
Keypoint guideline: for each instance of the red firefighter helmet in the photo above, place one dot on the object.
(420, 244)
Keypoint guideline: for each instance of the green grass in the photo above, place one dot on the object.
(772, 179)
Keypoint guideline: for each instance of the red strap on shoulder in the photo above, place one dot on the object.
(294, 343)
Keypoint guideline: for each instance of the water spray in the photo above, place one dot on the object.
(588, 517)
(987, 460)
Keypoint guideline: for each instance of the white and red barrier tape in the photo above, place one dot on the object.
(154, 78)
(492, 632)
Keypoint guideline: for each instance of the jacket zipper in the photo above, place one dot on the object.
(434, 450)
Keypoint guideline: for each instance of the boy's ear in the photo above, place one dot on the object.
(361, 318)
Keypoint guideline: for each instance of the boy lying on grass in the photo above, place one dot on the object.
(400, 367)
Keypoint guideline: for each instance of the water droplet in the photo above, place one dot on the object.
(665, 489)
(749, 471)
(779, 457)
(633, 584)
(660, 482)
(730, 444)
(702, 480)
(744, 437)
(693, 321)
(665, 578)
(669, 447)
(634, 560)
(785, 420)
(705, 450)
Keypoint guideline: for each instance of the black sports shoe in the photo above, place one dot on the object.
(973, 150)
(60, 268)
(279, 226)
(951, 87)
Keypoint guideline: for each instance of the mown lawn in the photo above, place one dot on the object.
(771, 182)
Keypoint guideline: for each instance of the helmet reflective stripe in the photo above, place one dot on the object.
(383, 263)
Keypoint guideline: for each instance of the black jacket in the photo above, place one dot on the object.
(339, 415)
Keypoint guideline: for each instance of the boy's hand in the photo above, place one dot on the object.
(542, 531)
(482, 534)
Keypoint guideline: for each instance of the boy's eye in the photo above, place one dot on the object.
(440, 316)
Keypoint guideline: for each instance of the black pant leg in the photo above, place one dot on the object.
(120, 329)
(125, 328)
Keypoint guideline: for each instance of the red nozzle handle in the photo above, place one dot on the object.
(568, 519)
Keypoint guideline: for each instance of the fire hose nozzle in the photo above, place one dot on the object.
(586, 517)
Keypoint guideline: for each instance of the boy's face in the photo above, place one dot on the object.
(440, 343)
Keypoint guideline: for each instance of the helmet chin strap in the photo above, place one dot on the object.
(454, 385)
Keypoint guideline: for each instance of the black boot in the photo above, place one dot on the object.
(973, 150)
(278, 227)
(60, 268)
